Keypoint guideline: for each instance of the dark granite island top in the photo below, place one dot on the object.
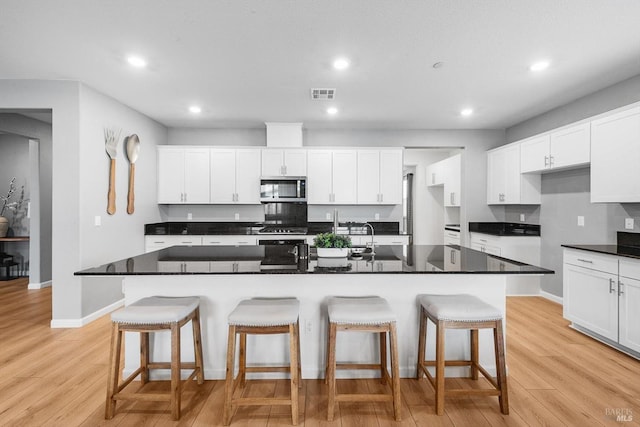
(284, 259)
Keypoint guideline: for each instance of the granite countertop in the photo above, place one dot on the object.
(628, 246)
(381, 228)
(505, 228)
(617, 250)
(409, 259)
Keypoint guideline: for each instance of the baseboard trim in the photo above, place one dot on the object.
(40, 285)
(78, 323)
(551, 297)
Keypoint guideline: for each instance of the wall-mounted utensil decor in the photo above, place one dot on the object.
(133, 150)
(111, 142)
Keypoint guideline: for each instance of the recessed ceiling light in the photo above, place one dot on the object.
(341, 64)
(539, 66)
(332, 111)
(137, 62)
(466, 112)
(195, 109)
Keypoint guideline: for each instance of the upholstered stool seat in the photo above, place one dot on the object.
(363, 314)
(262, 316)
(147, 315)
(461, 312)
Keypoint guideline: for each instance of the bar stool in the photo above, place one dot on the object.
(363, 314)
(461, 312)
(262, 316)
(147, 315)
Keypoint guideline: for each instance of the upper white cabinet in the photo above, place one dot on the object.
(379, 179)
(435, 174)
(183, 175)
(505, 183)
(281, 162)
(235, 176)
(331, 177)
(452, 180)
(615, 157)
(565, 148)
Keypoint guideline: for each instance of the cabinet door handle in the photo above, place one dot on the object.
(620, 285)
(551, 160)
(433, 178)
(452, 198)
(546, 161)
(381, 197)
(585, 260)
(611, 283)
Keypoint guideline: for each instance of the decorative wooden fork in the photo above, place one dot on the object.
(111, 143)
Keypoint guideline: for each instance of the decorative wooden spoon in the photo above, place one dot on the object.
(133, 149)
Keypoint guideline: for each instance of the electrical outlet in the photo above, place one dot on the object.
(628, 223)
(328, 216)
(377, 216)
(97, 220)
(189, 216)
(237, 216)
(521, 217)
(580, 221)
(308, 325)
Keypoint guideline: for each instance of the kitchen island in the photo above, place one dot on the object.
(224, 275)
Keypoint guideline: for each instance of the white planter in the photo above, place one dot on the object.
(333, 252)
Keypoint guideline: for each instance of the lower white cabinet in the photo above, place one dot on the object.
(230, 240)
(380, 240)
(599, 296)
(183, 266)
(451, 237)
(154, 243)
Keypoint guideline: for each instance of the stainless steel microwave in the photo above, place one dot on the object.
(283, 189)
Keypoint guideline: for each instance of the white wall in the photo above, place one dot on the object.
(120, 235)
(79, 191)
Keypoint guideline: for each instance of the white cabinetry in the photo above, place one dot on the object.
(629, 304)
(602, 295)
(615, 156)
(505, 183)
(235, 176)
(332, 177)
(562, 149)
(451, 237)
(435, 174)
(229, 240)
(379, 177)
(278, 162)
(183, 175)
(380, 240)
(154, 243)
(452, 180)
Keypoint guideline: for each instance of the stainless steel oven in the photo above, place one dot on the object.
(283, 189)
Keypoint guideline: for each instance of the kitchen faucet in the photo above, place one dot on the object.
(373, 246)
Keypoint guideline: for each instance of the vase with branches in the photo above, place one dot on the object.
(15, 207)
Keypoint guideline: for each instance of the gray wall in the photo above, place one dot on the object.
(565, 195)
(40, 244)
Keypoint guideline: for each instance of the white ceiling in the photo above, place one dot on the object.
(250, 61)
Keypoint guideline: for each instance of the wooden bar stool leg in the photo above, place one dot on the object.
(383, 357)
(175, 371)
(299, 358)
(395, 371)
(293, 370)
(326, 369)
(144, 357)
(242, 363)
(501, 376)
(197, 346)
(440, 363)
(474, 353)
(114, 370)
(332, 371)
(422, 343)
(228, 391)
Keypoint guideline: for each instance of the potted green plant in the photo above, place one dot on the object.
(331, 245)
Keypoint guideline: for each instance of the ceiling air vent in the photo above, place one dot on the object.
(323, 94)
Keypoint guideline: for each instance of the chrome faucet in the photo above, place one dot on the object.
(373, 245)
(336, 223)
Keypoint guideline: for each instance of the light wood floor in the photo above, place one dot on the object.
(57, 377)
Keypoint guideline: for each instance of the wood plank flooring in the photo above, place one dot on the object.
(57, 377)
